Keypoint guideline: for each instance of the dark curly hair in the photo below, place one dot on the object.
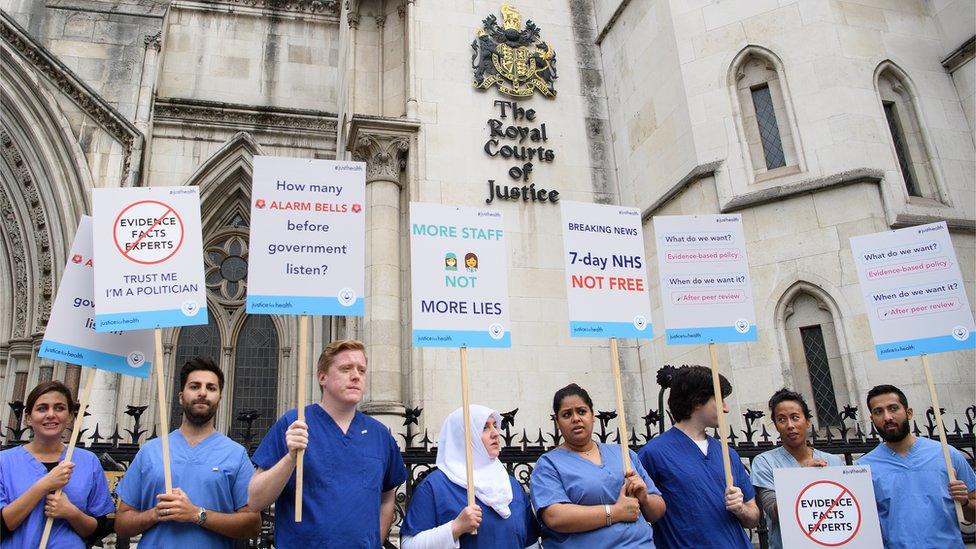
(691, 387)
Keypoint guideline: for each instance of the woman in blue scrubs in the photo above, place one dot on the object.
(30, 474)
(439, 517)
(580, 491)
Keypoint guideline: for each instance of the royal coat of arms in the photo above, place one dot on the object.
(513, 58)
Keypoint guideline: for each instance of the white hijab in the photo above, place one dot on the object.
(491, 484)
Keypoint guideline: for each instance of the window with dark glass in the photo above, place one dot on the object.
(901, 151)
(194, 341)
(255, 379)
(772, 144)
(815, 352)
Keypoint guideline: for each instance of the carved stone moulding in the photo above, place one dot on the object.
(322, 10)
(243, 117)
(382, 143)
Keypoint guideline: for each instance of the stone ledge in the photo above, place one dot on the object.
(955, 224)
(960, 55)
(810, 186)
(238, 116)
(698, 172)
(327, 11)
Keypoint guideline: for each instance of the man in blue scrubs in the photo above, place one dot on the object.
(911, 485)
(208, 505)
(686, 466)
(352, 463)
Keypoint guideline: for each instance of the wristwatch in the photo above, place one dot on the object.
(201, 516)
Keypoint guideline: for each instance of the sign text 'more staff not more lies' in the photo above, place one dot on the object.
(148, 258)
(307, 250)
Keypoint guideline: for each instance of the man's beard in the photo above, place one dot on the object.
(201, 418)
(897, 436)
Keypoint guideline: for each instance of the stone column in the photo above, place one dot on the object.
(385, 157)
(147, 83)
(18, 360)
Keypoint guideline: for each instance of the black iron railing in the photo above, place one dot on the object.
(521, 449)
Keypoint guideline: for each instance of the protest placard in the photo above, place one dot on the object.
(307, 250)
(705, 286)
(606, 273)
(914, 293)
(827, 507)
(459, 275)
(70, 334)
(148, 257)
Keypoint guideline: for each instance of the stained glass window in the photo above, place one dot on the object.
(768, 128)
(818, 366)
(255, 377)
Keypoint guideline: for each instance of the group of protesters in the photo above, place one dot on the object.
(673, 495)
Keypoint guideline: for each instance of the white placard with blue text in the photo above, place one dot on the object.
(705, 284)
(307, 252)
(70, 334)
(914, 293)
(148, 258)
(606, 273)
(459, 277)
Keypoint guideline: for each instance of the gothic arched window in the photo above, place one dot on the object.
(193, 341)
(255, 377)
(906, 132)
(764, 114)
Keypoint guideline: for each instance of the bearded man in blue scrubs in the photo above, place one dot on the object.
(352, 463)
(911, 485)
(686, 466)
(208, 504)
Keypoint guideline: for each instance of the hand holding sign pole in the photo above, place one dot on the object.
(307, 251)
(70, 337)
(459, 288)
(706, 292)
(606, 284)
(915, 300)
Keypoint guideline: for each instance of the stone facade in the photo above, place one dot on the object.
(649, 112)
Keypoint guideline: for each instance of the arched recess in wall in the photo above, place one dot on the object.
(225, 195)
(816, 360)
(44, 191)
(908, 135)
(764, 116)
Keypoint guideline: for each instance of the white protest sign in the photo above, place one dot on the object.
(606, 274)
(459, 277)
(148, 258)
(70, 334)
(307, 251)
(914, 293)
(705, 285)
(827, 507)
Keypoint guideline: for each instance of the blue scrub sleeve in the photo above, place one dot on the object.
(964, 472)
(396, 471)
(99, 498)
(129, 488)
(762, 473)
(645, 460)
(741, 477)
(422, 512)
(547, 486)
(639, 467)
(244, 473)
(272, 447)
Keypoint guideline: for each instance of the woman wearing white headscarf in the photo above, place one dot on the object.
(439, 517)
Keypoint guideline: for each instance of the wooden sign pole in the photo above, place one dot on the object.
(75, 430)
(621, 417)
(302, 378)
(163, 411)
(942, 434)
(466, 410)
(723, 426)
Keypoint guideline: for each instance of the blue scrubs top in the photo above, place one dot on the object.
(912, 492)
(693, 485)
(762, 477)
(87, 490)
(562, 476)
(437, 500)
(213, 475)
(345, 473)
